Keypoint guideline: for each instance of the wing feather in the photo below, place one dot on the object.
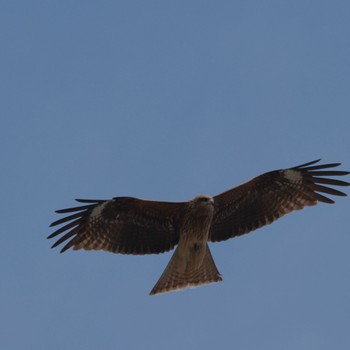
(66, 219)
(120, 225)
(65, 227)
(269, 196)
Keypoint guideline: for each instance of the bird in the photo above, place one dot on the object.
(128, 225)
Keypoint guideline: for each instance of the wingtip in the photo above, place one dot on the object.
(91, 201)
(80, 200)
(60, 211)
(50, 235)
(54, 223)
(54, 245)
(307, 164)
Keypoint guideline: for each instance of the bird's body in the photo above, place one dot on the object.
(134, 226)
(191, 263)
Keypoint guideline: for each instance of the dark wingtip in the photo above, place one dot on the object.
(54, 245)
(66, 247)
(51, 235)
(89, 200)
(308, 163)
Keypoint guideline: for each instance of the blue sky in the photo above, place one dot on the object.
(165, 100)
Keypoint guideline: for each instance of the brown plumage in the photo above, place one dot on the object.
(134, 226)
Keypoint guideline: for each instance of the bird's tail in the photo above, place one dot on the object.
(179, 274)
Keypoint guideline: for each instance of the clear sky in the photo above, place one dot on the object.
(165, 100)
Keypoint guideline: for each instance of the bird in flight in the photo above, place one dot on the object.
(127, 225)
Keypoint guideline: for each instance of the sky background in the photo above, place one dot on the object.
(165, 100)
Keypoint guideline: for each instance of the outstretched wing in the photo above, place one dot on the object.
(121, 225)
(268, 197)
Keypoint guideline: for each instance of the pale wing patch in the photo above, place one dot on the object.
(97, 211)
(293, 175)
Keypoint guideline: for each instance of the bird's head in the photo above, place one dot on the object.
(203, 200)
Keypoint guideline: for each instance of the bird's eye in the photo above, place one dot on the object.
(206, 200)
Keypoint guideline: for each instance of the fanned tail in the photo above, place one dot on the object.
(179, 274)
